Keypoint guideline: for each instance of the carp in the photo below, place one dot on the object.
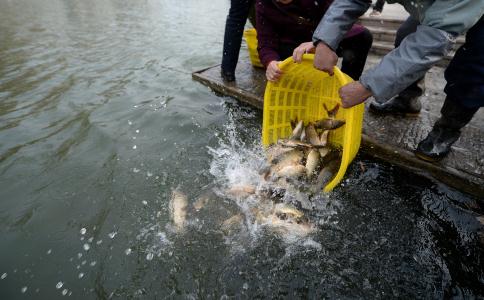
(329, 124)
(178, 209)
(312, 162)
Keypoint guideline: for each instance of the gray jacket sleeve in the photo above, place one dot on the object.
(339, 18)
(417, 53)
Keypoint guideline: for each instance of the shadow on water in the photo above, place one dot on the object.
(100, 122)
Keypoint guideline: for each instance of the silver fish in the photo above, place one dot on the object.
(241, 190)
(178, 209)
(312, 162)
(327, 123)
(312, 135)
(297, 144)
(296, 133)
(232, 224)
(326, 175)
(324, 138)
(291, 171)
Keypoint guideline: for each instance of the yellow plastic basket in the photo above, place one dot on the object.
(250, 36)
(300, 93)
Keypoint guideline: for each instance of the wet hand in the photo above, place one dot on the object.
(273, 72)
(353, 94)
(325, 59)
(302, 49)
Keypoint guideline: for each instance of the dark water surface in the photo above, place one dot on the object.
(100, 121)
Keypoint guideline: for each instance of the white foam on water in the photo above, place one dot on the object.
(236, 163)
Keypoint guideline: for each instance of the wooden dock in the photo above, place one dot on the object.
(389, 138)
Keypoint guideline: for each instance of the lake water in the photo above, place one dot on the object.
(100, 121)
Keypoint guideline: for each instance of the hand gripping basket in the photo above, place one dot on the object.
(300, 93)
(250, 36)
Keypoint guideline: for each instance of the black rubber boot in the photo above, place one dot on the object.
(446, 131)
(399, 105)
(407, 103)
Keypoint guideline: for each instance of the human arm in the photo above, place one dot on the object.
(419, 51)
(267, 38)
(337, 20)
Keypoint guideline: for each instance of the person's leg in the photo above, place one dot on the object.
(407, 102)
(465, 94)
(379, 5)
(354, 51)
(234, 28)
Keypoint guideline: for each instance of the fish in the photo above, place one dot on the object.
(291, 171)
(275, 151)
(201, 202)
(232, 224)
(324, 138)
(323, 152)
(296, 144)
(296, 133)
(312, 135)
(286, 227)
(241, 190)
(292, 157)
(178, 209)
(332, 113)
(328, 123)
(312, 162)
(326, 175)
(288, 211)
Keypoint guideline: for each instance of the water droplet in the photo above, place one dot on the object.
(49, 251)
(83, 231)
(245, 286)
(130, 123)
(134, 147)
(86, 247)
(149, 174)
(137, 130)
(135, 170)
(93, 263)
(149, 256)
(84, 262)
(81, 275)
(23, 289)
(128, 252)
(64, 292)
(144, 202)
(4, 275)
(99, 242)
(112, 234)
(59, 285)
(79, 255)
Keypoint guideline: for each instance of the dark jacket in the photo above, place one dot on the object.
(289, 25)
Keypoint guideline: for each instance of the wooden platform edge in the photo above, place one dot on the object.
(231, 91)
(396, 156)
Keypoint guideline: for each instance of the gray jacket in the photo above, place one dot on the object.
(441, 22)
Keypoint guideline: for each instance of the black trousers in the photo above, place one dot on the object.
(465, 73)
(354, 51)
(234, 29)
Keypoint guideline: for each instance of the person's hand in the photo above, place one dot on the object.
(325, 59)
(273, 72)
(298, 53)
(353, 94)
